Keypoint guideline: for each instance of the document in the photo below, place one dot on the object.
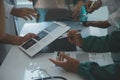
(46, 34)
(101, 58)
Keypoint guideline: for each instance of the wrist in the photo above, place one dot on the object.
(80, 41)
(76, 67)
(13, 11)
(17, 40)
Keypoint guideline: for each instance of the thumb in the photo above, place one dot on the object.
(90, 10)
(56, 62)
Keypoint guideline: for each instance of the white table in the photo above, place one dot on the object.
(16, 62)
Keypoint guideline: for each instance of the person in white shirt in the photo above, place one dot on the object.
(8, 34)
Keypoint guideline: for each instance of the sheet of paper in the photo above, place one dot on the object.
(46, 34)
(101, 58)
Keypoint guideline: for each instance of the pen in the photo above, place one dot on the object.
(65, 35)
(93, 2)
(78, 33)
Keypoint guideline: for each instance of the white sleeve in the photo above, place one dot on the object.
(8, 8)
(114, 18)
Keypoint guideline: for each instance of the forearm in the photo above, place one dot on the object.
(2, 20)
(100, 24)
(10, 39)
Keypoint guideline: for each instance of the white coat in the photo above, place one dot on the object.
(10, 23)
(10, 29)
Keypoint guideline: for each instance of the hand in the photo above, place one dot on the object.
(90, 9)
(94, 7)
(75, 38)
(25, 38)
(76, 10)
(70, 64)
(16, 40)
(25, 13)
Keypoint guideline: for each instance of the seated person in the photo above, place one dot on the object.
(91, 70)
(110, 42)
(7, 38)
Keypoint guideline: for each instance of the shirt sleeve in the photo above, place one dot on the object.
(8, 9)
(108, 43)
(92, 71)
(114, 18)
(96, 44)
(84, 71)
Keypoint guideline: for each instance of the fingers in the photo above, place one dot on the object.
(58, 63)
(27, 37)
(72, 35)
(88, 4)
(28, 13)
(90, 10)
(93, 5)
(75, 38)
(61, 62)
(30, 35)
(60, 58)
(64, 56)
(32, 12)
(67, 63)
(25, 13)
